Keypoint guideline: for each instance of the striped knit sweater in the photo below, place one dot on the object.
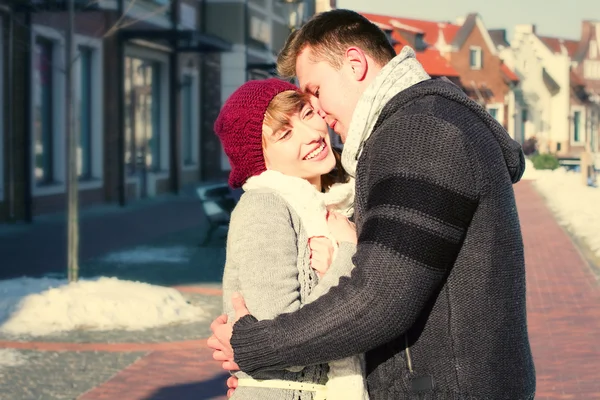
(437, 298)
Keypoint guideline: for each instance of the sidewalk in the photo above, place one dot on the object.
(563, 305)
(563, 312)
(40, 248)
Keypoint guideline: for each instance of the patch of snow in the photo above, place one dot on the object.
(145, 254)
(530, 172)
(42, 306)
(11, 358)
(575, 205)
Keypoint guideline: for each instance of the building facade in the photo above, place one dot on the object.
(465, 53)
(140, 104)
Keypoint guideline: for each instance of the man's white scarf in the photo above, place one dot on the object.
(346, 377)
(399, 74)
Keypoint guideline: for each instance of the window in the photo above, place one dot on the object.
(189, 119)
(591, 69)
(43, 117)
(85, 96)
(2, 158)
(142, 115)
(475, 58)
(593, 49)
(48, 106)
(493, 112)
(186, 120)
(89, 111)
(577, 126)
(524, 117)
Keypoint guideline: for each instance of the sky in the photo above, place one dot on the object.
(562, 19)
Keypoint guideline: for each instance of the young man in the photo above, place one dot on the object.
(437, 298)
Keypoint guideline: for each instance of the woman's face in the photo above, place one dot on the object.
(301, 148)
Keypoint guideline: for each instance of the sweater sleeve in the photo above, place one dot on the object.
(415, 211)
(263, 249)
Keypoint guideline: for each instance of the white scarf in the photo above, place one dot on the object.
(346, 379)
(402, 72)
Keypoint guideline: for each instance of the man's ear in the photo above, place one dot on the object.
(358, 63)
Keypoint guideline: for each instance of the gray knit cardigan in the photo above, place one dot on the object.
(268, 262)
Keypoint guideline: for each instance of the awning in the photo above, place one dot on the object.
(187, 40)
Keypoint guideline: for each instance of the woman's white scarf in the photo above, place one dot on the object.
(346, 377)
(400, 73)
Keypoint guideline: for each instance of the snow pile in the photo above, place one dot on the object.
(530, 172)
(10, 358)
(575, 205)
(44, 306)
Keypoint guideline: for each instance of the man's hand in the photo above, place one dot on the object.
(222, 331)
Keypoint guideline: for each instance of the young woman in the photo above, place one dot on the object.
(282, 252)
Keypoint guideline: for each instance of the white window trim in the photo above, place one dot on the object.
(153, 177)
(2, 157)
(479, 59)
(195, 126)
(97, 123)
(582, 126)
(499, 107)
(59, 103)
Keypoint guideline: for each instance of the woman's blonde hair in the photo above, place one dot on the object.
(286, 104)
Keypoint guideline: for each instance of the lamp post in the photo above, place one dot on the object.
(295, 11)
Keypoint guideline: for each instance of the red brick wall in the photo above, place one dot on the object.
(490, 74)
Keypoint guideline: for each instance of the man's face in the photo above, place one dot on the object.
(335, 92)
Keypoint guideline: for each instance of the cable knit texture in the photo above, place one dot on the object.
(239, 127)
(268, 261)
(437, 299)
(346, 377)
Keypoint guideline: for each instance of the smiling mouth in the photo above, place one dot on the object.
(315, 152)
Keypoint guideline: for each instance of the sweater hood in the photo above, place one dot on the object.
(511, 150)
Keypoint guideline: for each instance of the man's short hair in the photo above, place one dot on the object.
(328, 35)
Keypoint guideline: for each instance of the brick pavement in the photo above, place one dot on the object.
(563, 313)
(563, 305)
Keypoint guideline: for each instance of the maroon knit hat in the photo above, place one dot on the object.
(239, 127)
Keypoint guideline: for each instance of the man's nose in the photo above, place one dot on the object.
(314, 102)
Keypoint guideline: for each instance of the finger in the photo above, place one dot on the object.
(230, 393)
(232, 382)
(231, 366)
(214, 343)
(317, 247)
(219, 355)
(239, 305)
(220, 320)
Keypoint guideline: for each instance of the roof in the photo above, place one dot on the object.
(434, 63)
(554, 44)
(465, 30)
(576, 79)
(431, 59)
(499, 37)
(509, 74)
(429, 29)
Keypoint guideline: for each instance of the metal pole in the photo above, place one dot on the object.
(174, 130)
(121, 187)
(28, 114)
(72, 138)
